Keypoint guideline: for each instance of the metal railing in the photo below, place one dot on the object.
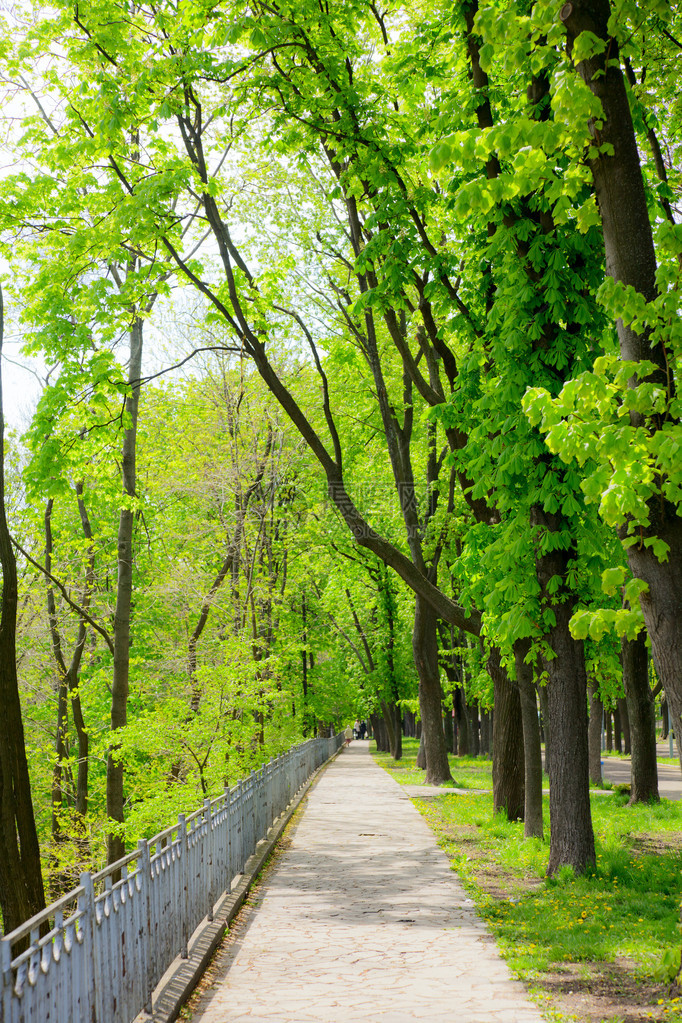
(110, 942)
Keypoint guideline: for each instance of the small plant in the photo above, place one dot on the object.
(670, 965)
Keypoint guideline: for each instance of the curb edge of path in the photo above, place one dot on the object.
(175, 989)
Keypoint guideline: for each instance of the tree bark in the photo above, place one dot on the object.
(642, 717)
(571, 834)
(421, 752)
(380, 733)
(533, 826)
(475, 732)
(625, 725)
(388, 716)
(425, 649)
(463, 727)
(594, 733)
(485, 733)
(22, 894)
(449, 729)
(544, 710)
(122, 613)
(617, 730)
(508, 757)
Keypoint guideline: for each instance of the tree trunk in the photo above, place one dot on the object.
(617, 730)
(485, 733)
(449, 729)
(22, 894)
(391, 723)
(571, 834)
(389, 604)
(508, 758)
(544, 710)
(642, 717)
(631, 260)
(475, 732)
(379, 733)
(421, 752)
(608, 722)
(462, 719)
(625, 725)
(409, 724)
(594, 733)
(425, 649)
(124, 590)
(533, 827)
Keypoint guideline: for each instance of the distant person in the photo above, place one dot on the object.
(363, 729)
(356, 729)
(348, 734)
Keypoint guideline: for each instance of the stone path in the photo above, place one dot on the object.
(361, 918)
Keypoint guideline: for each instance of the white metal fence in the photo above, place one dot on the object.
(108, 943)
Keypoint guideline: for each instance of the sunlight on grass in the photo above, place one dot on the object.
(468, 772)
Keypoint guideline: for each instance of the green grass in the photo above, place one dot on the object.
(468, 772)
(625, 911)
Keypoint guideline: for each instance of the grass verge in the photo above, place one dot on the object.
(592, 947)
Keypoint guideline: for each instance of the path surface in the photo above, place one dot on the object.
(361, 918)
(618, 771)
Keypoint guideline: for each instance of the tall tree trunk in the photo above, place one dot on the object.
(388, 599)
(617, 730)
(379, 733)
(388, 716)
(485, 733)
(425, 649)
(571, 834)
(421, 752)
(533, 827)
(625, 725)
(124, 590)
(409, 724)
(508, 758)
(544, 710)
(449, 729)
(642, 717)
(475, 732)
(631, 260)
(22, 894)
(594, 733)
(463, 727)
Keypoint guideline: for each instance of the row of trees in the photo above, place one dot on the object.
(432, 238)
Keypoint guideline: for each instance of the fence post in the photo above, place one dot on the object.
(208, 863)
(91, 941)
(6, 966)
(184, 875)
(144, 872)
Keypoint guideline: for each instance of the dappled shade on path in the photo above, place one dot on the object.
(361, 918)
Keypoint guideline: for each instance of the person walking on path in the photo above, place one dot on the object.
(361, 918)
(348, 734)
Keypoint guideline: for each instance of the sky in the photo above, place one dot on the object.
(20, 387)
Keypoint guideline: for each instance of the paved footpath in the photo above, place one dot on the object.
(361, 918)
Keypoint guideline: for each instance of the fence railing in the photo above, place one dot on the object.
(109, 942)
